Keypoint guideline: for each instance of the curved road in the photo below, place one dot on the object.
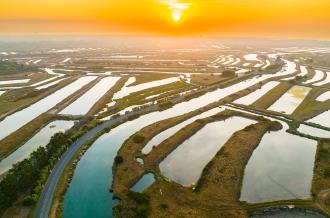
(46, 197)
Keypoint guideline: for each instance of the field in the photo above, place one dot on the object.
(168, 96)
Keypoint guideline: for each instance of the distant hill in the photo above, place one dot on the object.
(10, 67)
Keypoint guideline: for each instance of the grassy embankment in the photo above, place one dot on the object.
(208, 79)
(321, 178)
(140, 97)
(212, 186)
(15, 76)
(298, 203)
(311, 73)
(150, 78)
(271, 97)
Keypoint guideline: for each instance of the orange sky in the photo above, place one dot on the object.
(270, 18)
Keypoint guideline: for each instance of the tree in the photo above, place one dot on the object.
(118, 160)
(31, 173)
(10, 67)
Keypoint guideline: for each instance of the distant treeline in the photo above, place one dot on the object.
(10, 67)
(27, 177)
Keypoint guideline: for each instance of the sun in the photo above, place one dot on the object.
(176, 16)
(177, 9)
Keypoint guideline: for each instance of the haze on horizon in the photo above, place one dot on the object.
(257, 18)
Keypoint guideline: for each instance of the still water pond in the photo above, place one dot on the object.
(280, 168)
(324, 96)
(146, 181)
(18, 81)
(322, 119)
(186, 163)
(254, 96)
(83, 104)
(171, 131)
(309, 130)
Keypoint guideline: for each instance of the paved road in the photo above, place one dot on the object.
(47, 195)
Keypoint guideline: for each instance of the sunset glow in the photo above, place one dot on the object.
(303, 18)
(177, 9)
